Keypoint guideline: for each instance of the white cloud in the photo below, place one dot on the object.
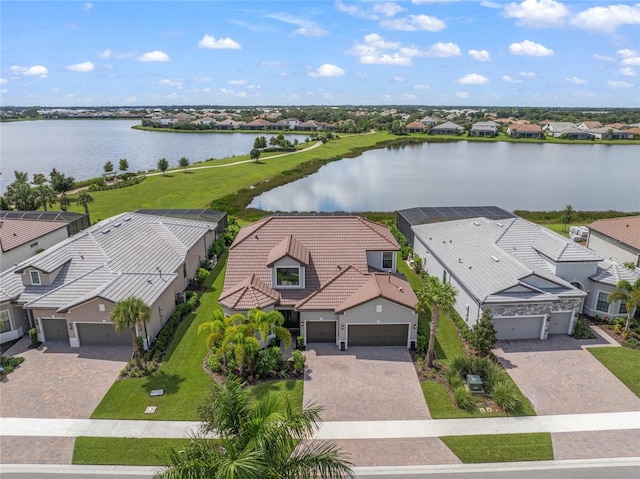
(509, 79)
(362, 75)
(398, 78)
(306, 27)
(272, 64)
(602, 58)
(442, 50)
(327, 71)
(3, 81)
(355, 11)
(489, 4)
(154, 56)
(480, 55)
(202, 79)
(625, 52)
(87, 6)
(632, 61)
(81, 67)
(462, 94)
(414, 22)
(105, 54)
(527, 74)
(36, 70)
(237, 82)
(421, 87)
(473, 79)
(422, 2)
(618, 84)
(209, 42)
(374, 50)
(388, 9)
(179, 84)
(574, 80)
(607, 19)
(628, 72)
(537, 13)
(530, 48)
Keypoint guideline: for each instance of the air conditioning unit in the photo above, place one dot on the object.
(181, 298)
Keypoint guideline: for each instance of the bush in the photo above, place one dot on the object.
(582, 330)
(268, 360)
(300, 343)
(421, 344)
(298, 361)
(454, 379)
(482, 337)
(506, 396)
(33, 336)
(9, 363)
(463, 398)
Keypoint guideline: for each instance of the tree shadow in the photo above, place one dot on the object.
(161, 380)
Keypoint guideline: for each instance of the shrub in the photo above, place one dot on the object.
(582, 330)
(406, 252)
(298, 361)
(300, 343)
(201, 276)
(9, 363)
(268, 360)
(463, 398)
(461, 365)
(482, 337)
(421, 344)
(506, 396)
(454, 379)
(33, 336)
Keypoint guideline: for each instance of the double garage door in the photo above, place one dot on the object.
(102, 334)
(359, 334)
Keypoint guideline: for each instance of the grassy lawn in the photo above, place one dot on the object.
(291, 388)
(501, 447)
(624, 363)
(122, 450)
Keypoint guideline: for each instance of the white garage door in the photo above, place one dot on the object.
(559, 322)
(518, 327)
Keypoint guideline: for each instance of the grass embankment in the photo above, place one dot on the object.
(501, 447)
(624, 363)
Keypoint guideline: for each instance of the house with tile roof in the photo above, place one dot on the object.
(447, 128)
(533, 281)
(523, 130)
(69, 290)
(333, 278)
(415, 127)
(484, 128)
(617, 239)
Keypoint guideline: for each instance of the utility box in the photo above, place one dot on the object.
(474, 384)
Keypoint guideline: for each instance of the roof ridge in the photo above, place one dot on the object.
(324, 286)
(250, 230)
(368, 224)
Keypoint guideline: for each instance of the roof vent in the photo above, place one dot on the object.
(104, 232)
(499, 224)
(116, 225)
(476, 223)
(495, 258)
(127, 218)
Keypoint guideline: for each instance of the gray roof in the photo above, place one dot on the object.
(129, 254)
(449, 125)
(610, 273)
(484, 125)
(500, 261)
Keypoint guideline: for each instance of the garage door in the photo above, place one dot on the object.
(518, 327)
(101, 334)
(378, 334)
(55, 329)
(559, 322)
(321, 332)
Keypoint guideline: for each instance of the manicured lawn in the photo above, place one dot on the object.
(123, 450)
(181, 375)
(501, 447)
(624, 363)
(291, 388)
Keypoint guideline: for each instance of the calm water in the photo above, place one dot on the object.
(80, 148)
(510, 175)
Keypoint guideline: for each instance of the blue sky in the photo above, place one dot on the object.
(332, 52)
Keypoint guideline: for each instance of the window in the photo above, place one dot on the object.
(444, 277)
(622, 309)
(387, 259)
(5, 321)
(288, 276)
(184, 269)
(602, 304)
(35, 277)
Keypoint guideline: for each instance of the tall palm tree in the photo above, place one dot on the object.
(127, 314)
(258, 439)
(83, 200)
(436, 296)
(267, 323)
(629, 294)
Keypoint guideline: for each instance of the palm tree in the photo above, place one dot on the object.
(268, 323)
(630, 295)
(46, 195)
(127, 314)
(64, 202)
(258, 439)
(436, 296)
(239, 341)
(83, 200)
(218, 326)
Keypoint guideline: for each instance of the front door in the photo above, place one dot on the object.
(291, 321)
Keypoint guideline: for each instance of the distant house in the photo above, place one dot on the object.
(288, 124)
(310, 125)
(555, 128)
(605, 133)
(430, 120)
(447, 128)
(258, 124)
(524, 131)
(415, 127)
(589, 125)
(573, 133)
(227, 124)
(617, 239)
(484, 128)
(616, 126)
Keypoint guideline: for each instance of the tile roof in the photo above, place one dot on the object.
(16, 232)
(625, 229)
(289, 246)
(610, 273)
(381, 285)
(524, 127)
(249, 294)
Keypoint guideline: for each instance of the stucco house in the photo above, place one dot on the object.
(332, 277)
(604, 133)
(258, 124)
(484, 128)
(524, 131)
(533, 281)
(69, 290)
(415, 127)
(617, 239)
(554, 128)
(447, 128)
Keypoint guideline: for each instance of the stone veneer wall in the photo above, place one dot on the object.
(534, 309)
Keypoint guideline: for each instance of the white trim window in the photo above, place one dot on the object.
(601, 303)
(288, 276)
(5, 321)
(35, 277)
(387, 259)
(622, 308)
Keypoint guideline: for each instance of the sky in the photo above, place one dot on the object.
(326, 52)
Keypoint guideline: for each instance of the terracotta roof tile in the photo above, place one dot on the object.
(249, 294)
(289, 246)
(381, 285)
(625, 229)
(14, 233)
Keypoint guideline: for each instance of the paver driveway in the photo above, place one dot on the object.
(560, 377)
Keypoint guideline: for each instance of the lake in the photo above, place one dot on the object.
(80, 148)
(527, 176)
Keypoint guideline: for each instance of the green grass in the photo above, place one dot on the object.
(501, 447)
(624, 363)
(181, 375)
(290, 388)
(122, 450)
(559, 228)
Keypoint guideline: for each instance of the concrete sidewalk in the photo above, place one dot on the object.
(30, 427)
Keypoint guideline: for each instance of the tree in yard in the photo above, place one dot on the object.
(218, 326)
(567, 216)
(255, 154)
(163, 165)
(108, 167)
(240, 343)
(123, 165)
(127, 314)
(64, 202)
(20, 195)
(184, 163)
(437, 297)
(59, 182)
(46, 195)
(483, 334)
(265, 438)
(273, 141)
(39, 179)
(83, 200)
(201, 276)
(629, 295)
(267, 323)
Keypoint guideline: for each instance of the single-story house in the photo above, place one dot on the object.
(69, 290)
(227, 124)
(332, 277)
(554, 128)
(258, 124)
(26, 233)
(532, 280)
(287, 124)
(310, 125)
(447, 128)
(617, 239)
(573, 133)
(430, 120)
(415, 127)
(484, 128)
(589, 125)
(524, 131)
(611, 134)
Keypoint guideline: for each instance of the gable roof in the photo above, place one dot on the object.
(289, 246)
(449, 125)
(249, 294)
(16, 232)
(625, 229)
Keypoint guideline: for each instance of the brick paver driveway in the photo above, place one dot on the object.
(560, 377)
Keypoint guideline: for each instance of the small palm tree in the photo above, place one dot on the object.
(239, 342)
(83, 200)
(629, 294)
(218, 326)
(436, 296)
(257, 439)
(127, 314)
(268, 323)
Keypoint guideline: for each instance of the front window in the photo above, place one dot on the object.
(622, 309)
(288, 276)
(387, 259)
(602, 304)
(35, 277)
(5, 321)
